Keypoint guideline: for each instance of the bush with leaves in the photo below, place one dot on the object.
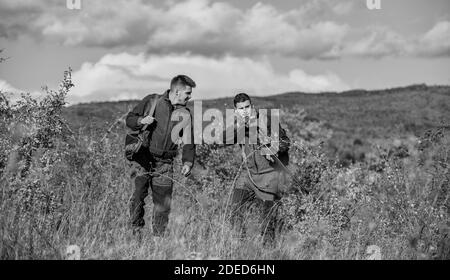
(404, 209)
(32, 129)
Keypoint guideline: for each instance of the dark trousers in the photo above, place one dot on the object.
(242, 201)
(157, 177)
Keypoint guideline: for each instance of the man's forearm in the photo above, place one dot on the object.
(188, 154)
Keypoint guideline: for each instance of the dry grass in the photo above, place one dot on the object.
(73, 188)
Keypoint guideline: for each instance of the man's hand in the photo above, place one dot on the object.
(269, 158)
(186, 170)
(147, 120)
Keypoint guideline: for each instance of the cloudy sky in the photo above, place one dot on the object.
(128, 48)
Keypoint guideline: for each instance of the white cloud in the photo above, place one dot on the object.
(343, 8)
(264, 29)
(5, 87)
(198, 26)
(436, 42)
(127, 76)
(324, 9)
(379, 42)
(315, 29)
(315, 83)
(13, 94)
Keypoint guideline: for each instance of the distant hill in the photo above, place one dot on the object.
(357, 119)
(359, 113)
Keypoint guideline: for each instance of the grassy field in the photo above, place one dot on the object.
(369, 168)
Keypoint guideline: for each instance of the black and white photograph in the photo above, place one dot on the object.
(228, 138)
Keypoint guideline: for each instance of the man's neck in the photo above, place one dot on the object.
(171, 96)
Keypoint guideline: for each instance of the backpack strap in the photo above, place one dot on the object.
(150, 110)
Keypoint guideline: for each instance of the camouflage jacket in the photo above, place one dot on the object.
(266, 178)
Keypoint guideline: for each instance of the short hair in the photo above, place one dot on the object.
(182, 80)
(241, 97)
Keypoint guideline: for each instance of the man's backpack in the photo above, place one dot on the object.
(137, 139)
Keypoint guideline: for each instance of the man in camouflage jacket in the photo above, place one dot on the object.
(263, 176)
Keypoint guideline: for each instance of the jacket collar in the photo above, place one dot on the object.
(166, 95)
